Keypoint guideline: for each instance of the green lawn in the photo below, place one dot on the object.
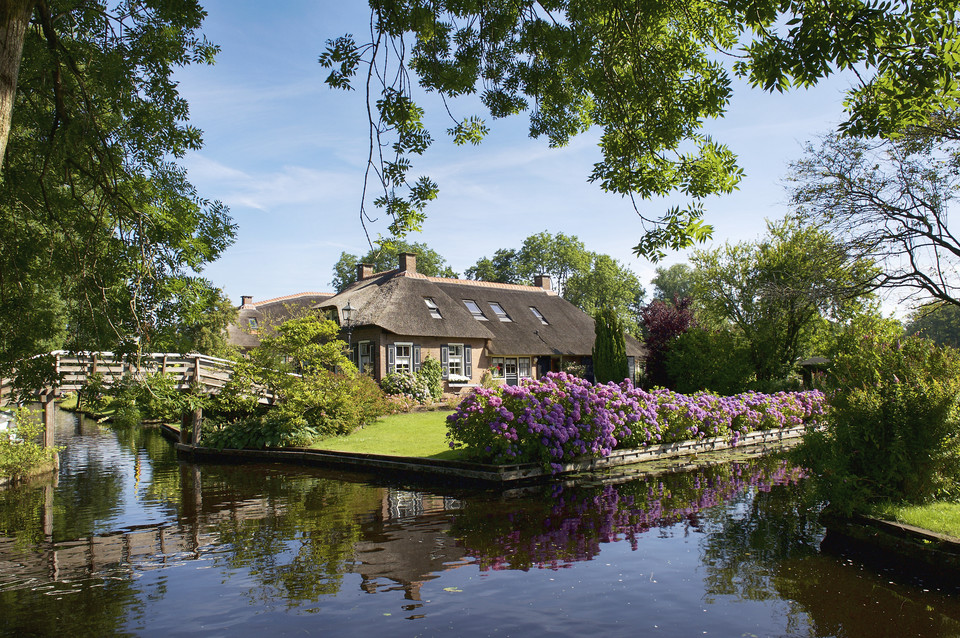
(942, 517)
(420, 434)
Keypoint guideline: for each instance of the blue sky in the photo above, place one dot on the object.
(287, 154)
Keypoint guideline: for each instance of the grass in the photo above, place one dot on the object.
(942, 517)
(418, 434)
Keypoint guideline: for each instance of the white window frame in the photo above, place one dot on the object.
(496, 367)
(500, 312)
(434, 308)
(523, 367)
(478, 313)
(539, 315)
(455, 359)
(403, 363)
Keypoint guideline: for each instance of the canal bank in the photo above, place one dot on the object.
(752, 444)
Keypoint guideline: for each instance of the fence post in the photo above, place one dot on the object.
(48, 398)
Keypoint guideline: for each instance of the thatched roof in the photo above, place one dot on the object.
(268, 314)
(395, 301)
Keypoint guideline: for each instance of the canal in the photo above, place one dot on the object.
(129, 541)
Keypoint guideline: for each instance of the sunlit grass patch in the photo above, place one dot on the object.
(419, 434)
(941, 517)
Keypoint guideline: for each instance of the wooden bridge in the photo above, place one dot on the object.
(74, 369)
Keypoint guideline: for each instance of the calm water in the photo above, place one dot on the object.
(131, 542)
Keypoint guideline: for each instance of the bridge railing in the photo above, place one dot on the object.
(74, 370)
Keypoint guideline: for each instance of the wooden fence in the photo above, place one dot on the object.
(74, 370)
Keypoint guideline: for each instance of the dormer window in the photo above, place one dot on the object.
(434, 309)
(474, 309)
(538, 315)
(500, 312)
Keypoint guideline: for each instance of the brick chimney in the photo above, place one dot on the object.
(246, 300)
(542, 281)
(364, 271)
(408, 262)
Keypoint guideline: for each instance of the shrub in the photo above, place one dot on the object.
(894, 432)
(609, 347)
(701, 359)
(20, 453)
(407, 384)
(431, 372)
(561, 417)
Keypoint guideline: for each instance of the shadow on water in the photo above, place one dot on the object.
(128, 540)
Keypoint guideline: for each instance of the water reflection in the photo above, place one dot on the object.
(130, 541)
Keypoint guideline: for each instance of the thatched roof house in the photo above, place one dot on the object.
(398, 318)
(256, 317)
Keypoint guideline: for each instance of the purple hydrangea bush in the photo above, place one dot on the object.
(560, 417)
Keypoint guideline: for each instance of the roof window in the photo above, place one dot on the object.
(499, 311)
(474, 309)
(539, 315)
(434, 309)
(252, 321)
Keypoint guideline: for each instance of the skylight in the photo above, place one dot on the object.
(500, 312)
(474, 309)
(434, 309)
(538, 315)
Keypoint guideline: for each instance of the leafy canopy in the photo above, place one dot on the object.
(648, 74)
(778, 290)
(103, 236)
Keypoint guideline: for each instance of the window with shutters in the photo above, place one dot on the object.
(403, 361)
(455, 359)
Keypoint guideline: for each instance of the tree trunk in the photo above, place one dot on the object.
(14, 19)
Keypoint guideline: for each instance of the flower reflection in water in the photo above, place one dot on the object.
(571, 524)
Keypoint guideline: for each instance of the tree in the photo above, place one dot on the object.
(559, 256)
(890, 200)
(193, 318)
(647, 73)
(714, 360)
(609, 348)
(939, 322)
(503, 268)
(386, 257)
(608, 284)
(675, 282)
(586, 279)
(662, 324)
(99, 226)
(778, 290)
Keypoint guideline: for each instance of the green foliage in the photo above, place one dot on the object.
(134, 399)
(778, 291)
(19, 451)
(431, 371)
(894, 434)
(385, 256)
(713, 360)
(648, 74)
(939, 322)
(407, 384)
(192, 317)
(325, 397)
(609, 348)
(101, 230)
(675, 282)
(587, 280)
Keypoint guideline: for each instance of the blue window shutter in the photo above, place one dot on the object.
(416, 358)
(468, 361)
(391, 358)
(445, 360)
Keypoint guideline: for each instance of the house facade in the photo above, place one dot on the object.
(395, 320)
